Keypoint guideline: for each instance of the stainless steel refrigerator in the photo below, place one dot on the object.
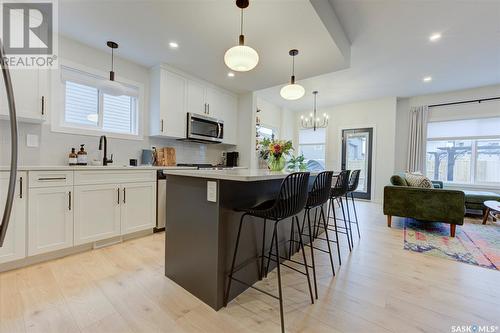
(7, 209)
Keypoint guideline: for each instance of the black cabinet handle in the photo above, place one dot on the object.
(43, 105)
(118, 191)
(20, 187)
(51, 178)
(69, 200)
(162, 125)
(124, 195)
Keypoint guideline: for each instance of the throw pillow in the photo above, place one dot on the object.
(397, 180)
(418, 180)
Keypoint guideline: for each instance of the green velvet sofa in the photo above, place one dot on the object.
(424, 204)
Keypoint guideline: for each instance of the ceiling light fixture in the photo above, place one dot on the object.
(230, 74)
(427, 79)
(293, 90)
(173, 45)
(435, 37)
(111, 87)
(241, 58)
(314, 122)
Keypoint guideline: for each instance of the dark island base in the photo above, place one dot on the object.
(201, 235)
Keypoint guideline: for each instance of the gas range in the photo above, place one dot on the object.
(202, 166)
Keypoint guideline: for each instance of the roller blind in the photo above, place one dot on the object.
(470, 128)
(81, 104)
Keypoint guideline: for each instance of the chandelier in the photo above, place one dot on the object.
(313, 121)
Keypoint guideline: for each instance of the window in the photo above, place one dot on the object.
(267, 132)
(464, 151)
(312, 146)
(90, 104)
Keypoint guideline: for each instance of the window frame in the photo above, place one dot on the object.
(58, 97)
(473, 168)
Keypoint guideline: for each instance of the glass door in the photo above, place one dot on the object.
(357, 155)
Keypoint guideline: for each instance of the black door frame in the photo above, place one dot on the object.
(368, 194)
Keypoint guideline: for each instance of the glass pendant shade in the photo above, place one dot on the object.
(292, 91)
(241, 58)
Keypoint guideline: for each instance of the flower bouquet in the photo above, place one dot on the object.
(274, 151)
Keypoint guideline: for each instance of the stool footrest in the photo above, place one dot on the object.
(253, 287)
(293, 268)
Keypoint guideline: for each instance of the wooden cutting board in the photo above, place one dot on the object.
(165, 156)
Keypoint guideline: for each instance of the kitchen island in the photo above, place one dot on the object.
(202, 225)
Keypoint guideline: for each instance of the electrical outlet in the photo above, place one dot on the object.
(32, 140)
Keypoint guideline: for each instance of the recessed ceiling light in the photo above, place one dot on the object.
(435, 37)
(230, 74)
(427, 79)
(173, 45)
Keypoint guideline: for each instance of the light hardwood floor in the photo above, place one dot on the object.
(379, 288)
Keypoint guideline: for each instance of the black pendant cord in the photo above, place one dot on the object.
(293, 70)
(314, 119)
(241, 22)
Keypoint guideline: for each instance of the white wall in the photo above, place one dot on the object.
(54, 147)
(379, 114)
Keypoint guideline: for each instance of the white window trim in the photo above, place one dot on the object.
(58, 105)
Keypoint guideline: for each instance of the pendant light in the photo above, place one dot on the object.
(241, 58)
(111, 87)
(314, 122)
(292, 91)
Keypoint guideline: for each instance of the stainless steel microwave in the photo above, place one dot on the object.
(204, 129)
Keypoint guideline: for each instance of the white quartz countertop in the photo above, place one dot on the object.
(242, 175)
(92, 167)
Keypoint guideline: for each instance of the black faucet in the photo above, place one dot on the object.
(105, 160)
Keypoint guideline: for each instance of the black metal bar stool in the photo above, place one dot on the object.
(318, 196)
(353, 185)
(336, 193)
(290, 201)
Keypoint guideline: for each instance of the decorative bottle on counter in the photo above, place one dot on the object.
(73, 157)
(82, 156)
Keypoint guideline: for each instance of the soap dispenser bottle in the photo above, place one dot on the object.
(73, 157)
(82, 156)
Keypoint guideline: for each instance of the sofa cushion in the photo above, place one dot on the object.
(478, 197)
(397, 180)
(418, 180)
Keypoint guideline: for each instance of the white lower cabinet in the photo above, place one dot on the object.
(97, 212)
(50, 219)
(14, 246)
(138, 209)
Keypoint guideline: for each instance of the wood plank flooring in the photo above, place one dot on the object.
(379, 288)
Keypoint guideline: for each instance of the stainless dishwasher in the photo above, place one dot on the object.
(161, 201)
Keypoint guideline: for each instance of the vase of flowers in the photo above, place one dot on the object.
(274, 151)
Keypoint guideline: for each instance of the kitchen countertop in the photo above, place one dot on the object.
(242, 175)
(92, 167)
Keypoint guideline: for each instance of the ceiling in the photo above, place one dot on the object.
(205, 29)
(391, 51)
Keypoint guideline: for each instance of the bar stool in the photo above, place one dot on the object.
(291, 199)
(318, 196)
(336, 193)
(353, 185)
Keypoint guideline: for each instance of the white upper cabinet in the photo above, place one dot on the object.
(196, 99)
(30, 95)
(173, 95)
(14, 246)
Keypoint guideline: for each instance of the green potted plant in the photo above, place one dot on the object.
(297, 163)
(274, 152)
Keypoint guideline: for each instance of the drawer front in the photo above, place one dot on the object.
(114, 177)
(50, 178)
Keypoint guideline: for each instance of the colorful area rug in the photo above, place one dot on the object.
(474, 244)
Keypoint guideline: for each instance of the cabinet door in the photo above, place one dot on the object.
(97, 212)
(196, 98)
(173, 110)
(138, 208)
(25, 84)
(214, 100)
(14, 246)
(50, 219)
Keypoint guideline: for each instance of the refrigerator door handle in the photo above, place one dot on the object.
(13, 143)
